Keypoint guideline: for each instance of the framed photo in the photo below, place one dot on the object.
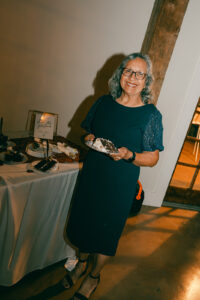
(42, 124)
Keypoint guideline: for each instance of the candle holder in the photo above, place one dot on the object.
(3, 138)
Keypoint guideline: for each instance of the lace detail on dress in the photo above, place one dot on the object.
(153, 133)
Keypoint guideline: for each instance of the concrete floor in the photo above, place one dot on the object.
(158, 258)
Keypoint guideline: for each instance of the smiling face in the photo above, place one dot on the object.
(130, 85)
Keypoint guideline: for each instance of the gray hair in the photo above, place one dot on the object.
(114, 82)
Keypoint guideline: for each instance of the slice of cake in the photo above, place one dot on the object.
(98, 145)
(104, 145)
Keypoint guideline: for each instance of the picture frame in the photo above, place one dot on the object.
(46, 131)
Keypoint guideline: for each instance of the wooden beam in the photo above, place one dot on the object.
(161, 35)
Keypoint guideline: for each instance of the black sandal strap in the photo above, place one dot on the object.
(69, 280)
(94, 277)
(80, 296)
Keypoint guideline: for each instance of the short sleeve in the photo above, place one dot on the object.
(87, 122)
(153, 133)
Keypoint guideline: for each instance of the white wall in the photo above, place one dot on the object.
(177, 101)
(52, 50)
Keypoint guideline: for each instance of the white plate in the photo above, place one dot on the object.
(11, 162)
(41, 151)
(31, 167)
(91, 145)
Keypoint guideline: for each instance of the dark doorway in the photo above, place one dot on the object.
(184, 187)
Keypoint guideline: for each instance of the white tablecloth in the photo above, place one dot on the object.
(33, 211)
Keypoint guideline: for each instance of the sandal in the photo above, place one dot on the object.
(81, 296)
(68, 277)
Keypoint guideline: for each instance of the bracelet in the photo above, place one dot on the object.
(132, 158)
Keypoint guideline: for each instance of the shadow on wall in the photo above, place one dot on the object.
(100, 85)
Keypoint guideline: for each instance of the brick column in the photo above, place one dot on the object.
(161, 35)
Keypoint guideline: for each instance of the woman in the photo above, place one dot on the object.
(107, 183)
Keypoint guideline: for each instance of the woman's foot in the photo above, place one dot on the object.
(87, 288)
(71, 277)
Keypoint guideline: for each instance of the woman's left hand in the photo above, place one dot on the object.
(123, 153)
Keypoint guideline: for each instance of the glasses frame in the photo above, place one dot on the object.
(138, 75)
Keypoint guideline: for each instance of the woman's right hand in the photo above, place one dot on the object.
(89, 137)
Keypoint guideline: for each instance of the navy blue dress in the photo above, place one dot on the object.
(105, 188)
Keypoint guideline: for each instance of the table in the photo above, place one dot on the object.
(33, 211)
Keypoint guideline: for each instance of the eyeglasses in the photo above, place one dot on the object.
(138, 75)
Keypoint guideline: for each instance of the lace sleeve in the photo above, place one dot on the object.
(153, 133)
(87, 122)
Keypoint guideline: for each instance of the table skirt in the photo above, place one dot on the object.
(33, 212)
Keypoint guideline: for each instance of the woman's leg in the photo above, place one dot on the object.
(80, 268)
(99, 262)
(91, 281)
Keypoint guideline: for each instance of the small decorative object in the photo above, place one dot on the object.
(45, 165)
